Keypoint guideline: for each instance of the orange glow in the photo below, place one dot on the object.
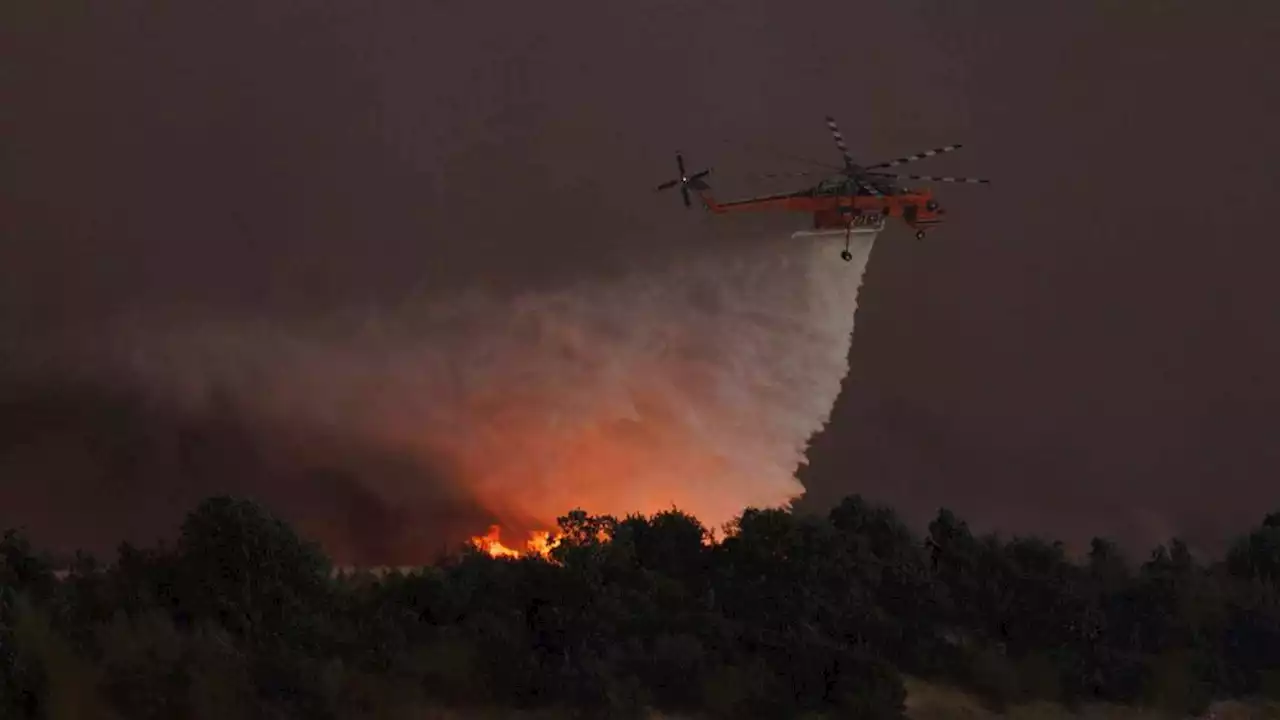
(689, 391)
(539, 543)
(644, 457)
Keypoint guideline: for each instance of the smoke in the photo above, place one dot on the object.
(388, 431)
(697, 385)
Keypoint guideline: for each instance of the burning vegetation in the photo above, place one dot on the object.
(539, 543)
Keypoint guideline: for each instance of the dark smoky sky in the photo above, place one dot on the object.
(1088, 347)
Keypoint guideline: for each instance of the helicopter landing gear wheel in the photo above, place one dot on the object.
(845, 254)
(919, 234)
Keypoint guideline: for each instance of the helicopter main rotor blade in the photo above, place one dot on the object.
(776, 176)
(913, 158)
(852, 171)
(875, 191)
(839, 138)
(935, 178)
(827, 167)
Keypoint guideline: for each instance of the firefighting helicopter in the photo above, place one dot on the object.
(854, 197)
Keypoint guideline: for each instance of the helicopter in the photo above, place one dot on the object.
(853, 198)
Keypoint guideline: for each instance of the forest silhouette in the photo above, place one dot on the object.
(777, 615)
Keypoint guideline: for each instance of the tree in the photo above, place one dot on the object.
(239, 567)
(1256, 556)
(249, 571)
(789, 615)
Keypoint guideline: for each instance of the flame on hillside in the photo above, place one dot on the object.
(539, 543)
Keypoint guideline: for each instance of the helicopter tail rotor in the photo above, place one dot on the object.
(686, 181)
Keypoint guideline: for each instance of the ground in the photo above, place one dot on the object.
(926, 701)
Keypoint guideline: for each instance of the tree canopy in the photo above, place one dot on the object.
(784, 616)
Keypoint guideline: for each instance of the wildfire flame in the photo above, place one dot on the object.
(539, 543)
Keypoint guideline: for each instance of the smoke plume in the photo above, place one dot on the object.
(696, 385)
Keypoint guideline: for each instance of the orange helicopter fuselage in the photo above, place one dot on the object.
(917, 209)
